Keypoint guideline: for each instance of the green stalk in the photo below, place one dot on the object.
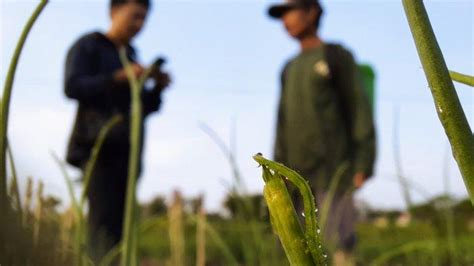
(228, 153)
(251, 247)
(220, 243)
(200, 233)
(104, 131)
(79, 232)
(5, 101)
(462, 78)
(450, 234)
(448, 213)
(428, 246)
(109, 258)
(176, 230)
(324, 215)
(78, 207)
(38, 214)
(447, 103)
(285, 220)
(28, 198)
(16, 191)
(312, 231)
(135, 132)
(403, 181)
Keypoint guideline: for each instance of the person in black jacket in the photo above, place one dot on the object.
(95, 77)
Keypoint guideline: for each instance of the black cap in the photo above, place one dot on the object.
(278, 10)
(146, 3)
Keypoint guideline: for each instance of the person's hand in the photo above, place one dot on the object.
(121, 75)
(162, 79)
(359, 180)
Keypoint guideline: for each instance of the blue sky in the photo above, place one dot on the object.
(225, 58)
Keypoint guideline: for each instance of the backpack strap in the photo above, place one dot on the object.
(335, 55)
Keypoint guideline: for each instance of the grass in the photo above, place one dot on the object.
(301, 249)
(448, 106)
(135, 133)
(418, 243)
(5, 208)
(374, 243)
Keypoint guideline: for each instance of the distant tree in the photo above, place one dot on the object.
(251, 206)
(157, 206)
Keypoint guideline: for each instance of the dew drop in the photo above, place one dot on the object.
(303, 214)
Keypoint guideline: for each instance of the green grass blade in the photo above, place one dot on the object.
(5, 100)
(285, 220)
(176, 230)
(135, 238)
(200, 233)
(135, 133)
(324, 214)
(227, 152)
(79, 229)
(402, 179)
(109, 258)
(425, 245)
(16, 191)
(448, 106)
(219, 241)
(67, 178)
(312, 230)
(462, 78)
(104, 131)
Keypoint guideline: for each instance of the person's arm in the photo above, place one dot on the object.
(280, 149)
(362, 129)
(82, 82)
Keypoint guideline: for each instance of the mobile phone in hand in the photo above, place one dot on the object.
(159, 62)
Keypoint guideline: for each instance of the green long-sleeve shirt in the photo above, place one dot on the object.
(319, 127)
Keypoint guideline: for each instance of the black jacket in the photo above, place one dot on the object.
(90, 65)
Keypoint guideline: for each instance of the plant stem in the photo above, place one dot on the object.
(16, 191)
(104, 131)
(200, 233)
(333, 186)
(461, 78)
(135, 133)
(285, 220)
(446, 100)
(403, 180)
(79, 232)
(5, 101)
(176, 230)
(312, 231)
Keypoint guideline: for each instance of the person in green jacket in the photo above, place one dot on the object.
(325, 121)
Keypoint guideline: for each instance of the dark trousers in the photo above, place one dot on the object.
(107, 192)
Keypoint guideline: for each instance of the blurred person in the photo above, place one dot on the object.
(324, 121)
(96, 79)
